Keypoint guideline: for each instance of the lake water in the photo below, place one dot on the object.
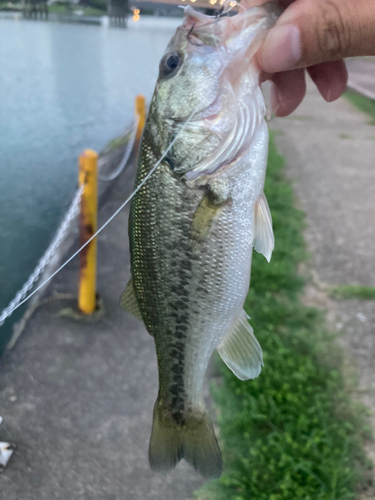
(63, 88)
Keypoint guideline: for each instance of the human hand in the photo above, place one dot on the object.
(314, 35)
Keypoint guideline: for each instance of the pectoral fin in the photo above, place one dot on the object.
(240, 350)
(203, 219)
(128, 301)
(264, 240)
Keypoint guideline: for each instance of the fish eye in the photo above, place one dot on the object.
(170, 63)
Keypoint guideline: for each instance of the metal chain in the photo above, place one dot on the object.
(125, 158)
(46, 259)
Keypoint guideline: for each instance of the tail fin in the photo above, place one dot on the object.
(192, 439)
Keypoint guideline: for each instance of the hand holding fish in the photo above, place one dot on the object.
(315, 35)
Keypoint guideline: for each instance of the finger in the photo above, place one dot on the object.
(312, 32)
(331, 79)
(287, 92)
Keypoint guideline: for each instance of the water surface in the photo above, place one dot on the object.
(63, 88)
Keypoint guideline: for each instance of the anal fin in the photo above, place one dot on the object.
(128, 301)
(240, 350)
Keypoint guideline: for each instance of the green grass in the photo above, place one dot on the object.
(10, 7)
(293, 433)
(353, 292)
(87, 11)
(362, 103)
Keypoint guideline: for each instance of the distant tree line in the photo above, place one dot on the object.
(97, 4)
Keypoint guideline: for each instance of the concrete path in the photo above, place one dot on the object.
(362, 75)
(330, 151)
(77, 398)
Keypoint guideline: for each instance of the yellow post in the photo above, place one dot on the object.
(140, 113)
(88, 169)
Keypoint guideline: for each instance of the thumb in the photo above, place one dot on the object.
(315, 31)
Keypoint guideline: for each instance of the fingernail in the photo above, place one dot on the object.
(275, 98)
(328, 96)
(281, 49)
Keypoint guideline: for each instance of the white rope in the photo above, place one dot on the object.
(125, 158)
(45, 260)
(21, 300)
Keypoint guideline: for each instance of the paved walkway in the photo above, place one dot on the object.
(77, 398)
(330, 151)
(362, 75)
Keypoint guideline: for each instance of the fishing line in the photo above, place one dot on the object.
(112, 216)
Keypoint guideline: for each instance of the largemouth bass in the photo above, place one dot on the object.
(195, 221)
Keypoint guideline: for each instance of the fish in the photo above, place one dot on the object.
(194, 222)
